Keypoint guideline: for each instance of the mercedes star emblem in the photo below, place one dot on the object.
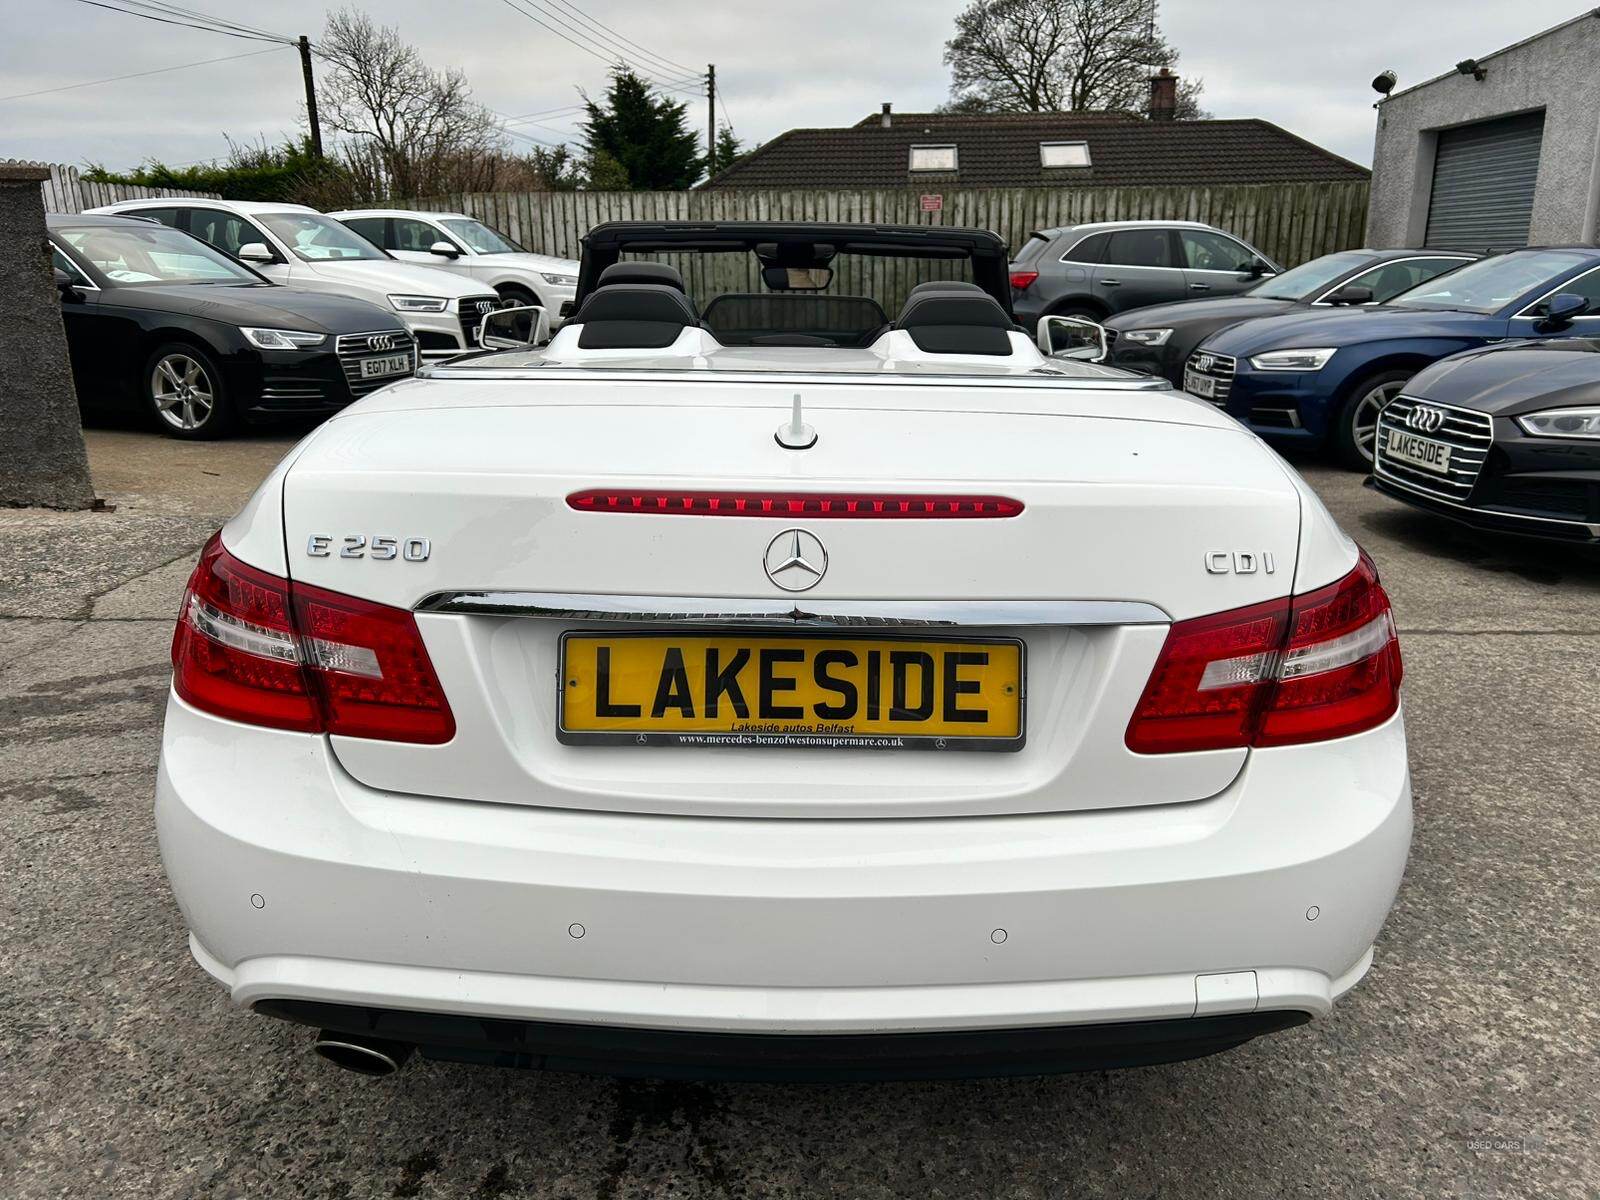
(796, 560)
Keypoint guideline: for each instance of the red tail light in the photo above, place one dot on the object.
(793, 504)
(1023, 280)
(1318, 666)
(255, 648)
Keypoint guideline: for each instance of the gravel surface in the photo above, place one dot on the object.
(1465, 1065)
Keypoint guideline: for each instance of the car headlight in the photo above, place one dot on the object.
(1144, 337)
(1562, 423)
(1292, 360)
(559, 280)
(418, 303)
(282, 339)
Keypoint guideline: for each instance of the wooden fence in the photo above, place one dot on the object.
(1289, 222)
(66, 191)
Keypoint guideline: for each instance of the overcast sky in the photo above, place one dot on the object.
(780, 63)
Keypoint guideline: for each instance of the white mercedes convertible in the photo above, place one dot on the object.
(747, 682)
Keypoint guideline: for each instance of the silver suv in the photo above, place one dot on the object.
(1111, 266)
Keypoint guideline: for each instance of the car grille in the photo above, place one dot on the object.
(1469, 435)
(1219, 367)
(473, 309)
(353, 347)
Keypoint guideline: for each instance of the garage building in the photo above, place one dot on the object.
(1502, 151)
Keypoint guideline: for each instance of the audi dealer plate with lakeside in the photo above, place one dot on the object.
(1419, 451)
(786, 685)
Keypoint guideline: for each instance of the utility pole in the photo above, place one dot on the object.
(311, 97)
(711, 119)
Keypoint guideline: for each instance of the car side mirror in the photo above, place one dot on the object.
(1351, 294)
(65, 286)
(1561, 309)
(444, 250)
(514, 328)
(1255, 268)
(1071, 337)
(255, 252)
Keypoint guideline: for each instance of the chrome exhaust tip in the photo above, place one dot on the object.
(363, 1055)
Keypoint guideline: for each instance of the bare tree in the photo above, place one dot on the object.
(409, 130)
(1059, 55)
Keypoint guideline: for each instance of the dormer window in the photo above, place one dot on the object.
(1063, 154)
(933, 158)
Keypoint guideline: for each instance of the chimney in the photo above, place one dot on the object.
(886, 120)
(1163, 96)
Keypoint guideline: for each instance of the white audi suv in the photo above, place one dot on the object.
(766, 688)
(456, 242)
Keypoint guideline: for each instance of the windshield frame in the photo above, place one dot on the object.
(1358, 261)
(1575, 260)
(247, 276)
(451, 226)
(267, 220)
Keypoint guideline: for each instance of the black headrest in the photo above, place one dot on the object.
(642, 272)
(956, 321)
(633, 315)
(944, 285)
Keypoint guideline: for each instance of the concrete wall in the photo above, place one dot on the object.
(1558, 71)
(42, 459)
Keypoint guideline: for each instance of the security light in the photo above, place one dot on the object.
(1469, 66)
(1383, 83)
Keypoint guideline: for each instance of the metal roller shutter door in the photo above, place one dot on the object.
(1483, 177)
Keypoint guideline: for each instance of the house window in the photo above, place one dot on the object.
(933, 158)
(1063, 154)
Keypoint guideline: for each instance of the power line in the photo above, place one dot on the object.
(219, 24)
(252, 37)
(669, 62)
(603, 54)
(610, 46)
(67, 87)
(552, 113)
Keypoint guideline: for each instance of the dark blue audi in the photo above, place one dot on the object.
(1322, 378)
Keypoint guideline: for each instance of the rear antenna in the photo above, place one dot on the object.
(795, 434)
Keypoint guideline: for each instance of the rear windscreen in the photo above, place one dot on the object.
(744, 319)
(1031, 248)
(878, 278)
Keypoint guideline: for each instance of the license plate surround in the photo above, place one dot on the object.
(820, 639)
(1196, 384)
(391, 364)
(1404, 437)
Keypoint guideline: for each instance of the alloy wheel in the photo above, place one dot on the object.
(184, 394)
(1364, 417)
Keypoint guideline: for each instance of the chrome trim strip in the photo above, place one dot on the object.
(789, 612)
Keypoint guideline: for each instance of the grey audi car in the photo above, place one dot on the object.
(1096, 270)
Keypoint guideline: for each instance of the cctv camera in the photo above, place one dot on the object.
(1384, 82)
(1469, 66)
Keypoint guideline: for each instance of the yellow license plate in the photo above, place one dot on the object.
(791, 690)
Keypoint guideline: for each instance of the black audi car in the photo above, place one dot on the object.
(1159, 339)
(159, 321)
(1504, 438)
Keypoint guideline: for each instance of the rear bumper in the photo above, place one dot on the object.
(300, 884)
(673, 1054)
